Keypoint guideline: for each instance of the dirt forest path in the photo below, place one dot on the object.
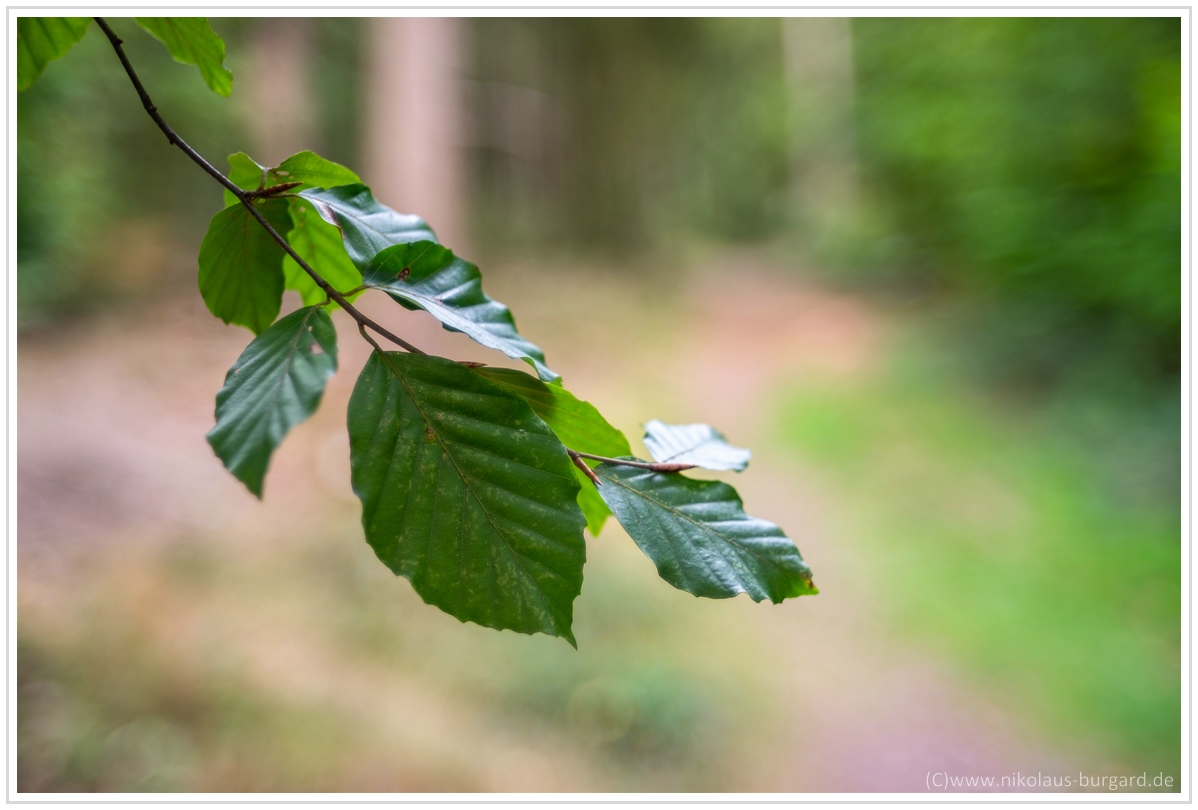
(116, 486)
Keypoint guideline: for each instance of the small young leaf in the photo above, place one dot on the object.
(245, 173)
(699, 537)
(467, 493)
(367, 226)
(192, 41)
(310, 169)
(41, 40)
(319, 244)
(577, 423)
(427, 276)
(275, 385)
(241, 266)
(700, 445)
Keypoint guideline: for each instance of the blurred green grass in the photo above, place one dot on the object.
(1039, 547)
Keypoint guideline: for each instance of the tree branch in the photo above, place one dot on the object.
(244, 197)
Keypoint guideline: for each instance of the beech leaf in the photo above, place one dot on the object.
(699, 537)
(192, 41)
(41, 40)
(425, 275)
(578, 424)
(276, 384)
(467, 493)
(701, 445)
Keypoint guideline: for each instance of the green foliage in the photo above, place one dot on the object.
(241, 266)
(700, 445)
(192, 41)
(467, 493)
(41, 40)
(367, 226)
(428, 276)
(700, 538)
(470, 479)
(1032, 167)
(577, 423)
(275, 384)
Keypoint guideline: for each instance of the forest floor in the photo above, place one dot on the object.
(177, 634)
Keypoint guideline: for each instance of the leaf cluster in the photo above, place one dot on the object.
(476, 482)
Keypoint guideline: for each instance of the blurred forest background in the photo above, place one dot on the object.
(928, 269)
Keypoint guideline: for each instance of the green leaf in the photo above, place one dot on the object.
(192, 41)
(700, 445)
(366, 226)
(41, 40)
(699, 537)
(319, 244)
(577, 423)
(246, 173)
(428, 276)
(241, 266)
(310, 169)
(275, 385)
(467, 493)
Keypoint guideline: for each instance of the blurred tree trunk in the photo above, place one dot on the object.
(819, 73)
(414, 117)
(282, 121)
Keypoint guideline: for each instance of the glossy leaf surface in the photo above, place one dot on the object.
(41, 40)
(192, 41)
(699, 537)
(577, 423)
(467, 493)
(241, 266)
(275, 385)
(367, 226)
(427, 276)
(700, 445)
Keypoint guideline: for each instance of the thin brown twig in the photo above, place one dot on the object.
(655, 466)
(242, 196)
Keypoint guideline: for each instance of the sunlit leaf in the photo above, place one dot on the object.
(192, 41)
(467, 493)
(700, 445)
(41, 40)
(275, 385)
(241, 266)
(699, 537)
(310, 169)
(367, 226)
(427, 276)
(577, 423)
(319, 244)
(245, 173)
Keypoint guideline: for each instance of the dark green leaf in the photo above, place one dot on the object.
(699, 537)
(467, 493)
(700, 445)
(428, 276)
(310, 169)
(367, 226)
(319, 244)
(241, 266)
(577, 423)
(192, 41)
(41, 40)
(276, 384)
(245, 173)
